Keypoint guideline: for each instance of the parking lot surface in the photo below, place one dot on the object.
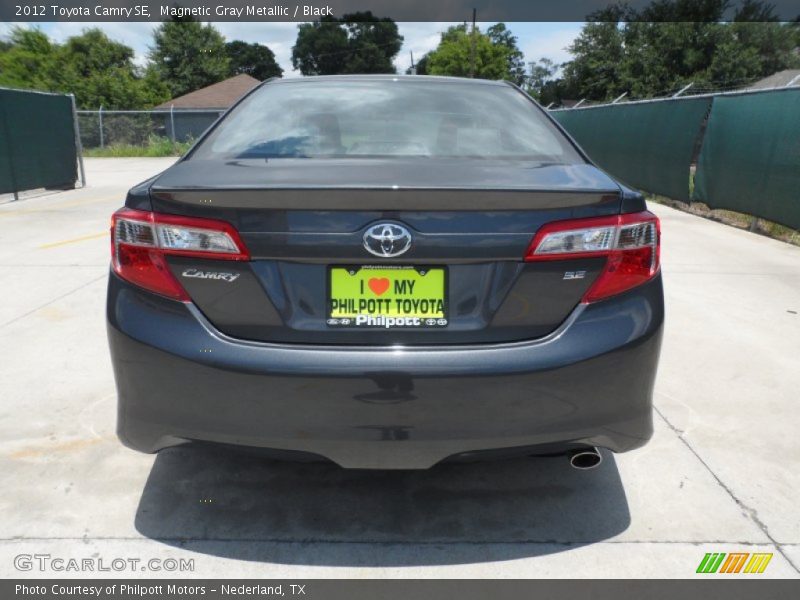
(721, 474)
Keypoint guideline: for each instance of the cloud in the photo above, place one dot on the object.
(551, 44)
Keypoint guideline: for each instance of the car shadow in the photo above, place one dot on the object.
(221, 502)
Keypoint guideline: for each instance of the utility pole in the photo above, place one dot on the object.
(413, 68)
(472, 45)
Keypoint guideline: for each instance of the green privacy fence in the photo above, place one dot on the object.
(647, 145)
(37, 141)
(750, 160)
(749, 148)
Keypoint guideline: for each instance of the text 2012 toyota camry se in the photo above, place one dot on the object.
(386, 272)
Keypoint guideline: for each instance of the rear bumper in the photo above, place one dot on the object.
(589, 383)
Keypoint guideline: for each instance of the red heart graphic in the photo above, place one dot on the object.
(378, 285)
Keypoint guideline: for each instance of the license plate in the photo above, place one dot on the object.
(387, 297)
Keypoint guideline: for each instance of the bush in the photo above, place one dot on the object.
(155, 146)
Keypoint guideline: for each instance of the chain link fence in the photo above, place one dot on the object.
(736, 151)
(106, 128)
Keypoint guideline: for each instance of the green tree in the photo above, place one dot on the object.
(374, 42)
(500, 35)
(101, 72)
(255, 60)
(673, 42)
(595, 70)
(422, 64)
(355, 43)
(544, 84)
(540, 78)
(776, 44)
(96, 69)
(28, 61)
(188, 55)
(321, 47)
(459, 49)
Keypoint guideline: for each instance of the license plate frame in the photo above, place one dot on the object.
(395, 317)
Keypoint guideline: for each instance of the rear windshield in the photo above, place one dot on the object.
(385, 118)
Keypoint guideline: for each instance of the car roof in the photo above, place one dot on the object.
(387, 77)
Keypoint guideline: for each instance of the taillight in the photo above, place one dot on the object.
(631, 243)
(140, 240)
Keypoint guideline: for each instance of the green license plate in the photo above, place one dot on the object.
(387, 297)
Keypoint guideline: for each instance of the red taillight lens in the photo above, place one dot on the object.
(631, 243)
(141, 239)
(147, 268)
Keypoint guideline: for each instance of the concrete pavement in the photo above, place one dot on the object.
(721, 474)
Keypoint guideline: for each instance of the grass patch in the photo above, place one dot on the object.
(156, 146)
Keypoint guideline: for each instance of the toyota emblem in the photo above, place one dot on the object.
(387, 240)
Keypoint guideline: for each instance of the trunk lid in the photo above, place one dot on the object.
(300, 217)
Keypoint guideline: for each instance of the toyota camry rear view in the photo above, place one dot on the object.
(386, 272)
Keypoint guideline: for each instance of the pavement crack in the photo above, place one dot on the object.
(748, 510)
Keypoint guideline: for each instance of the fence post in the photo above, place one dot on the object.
(100, 117)
(78, 145)
(172, 122)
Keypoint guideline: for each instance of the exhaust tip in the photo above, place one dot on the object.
(585, 458)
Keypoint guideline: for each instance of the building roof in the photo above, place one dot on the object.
(779, 79)
(217, 95)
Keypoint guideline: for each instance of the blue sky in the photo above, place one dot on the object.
(536, 40)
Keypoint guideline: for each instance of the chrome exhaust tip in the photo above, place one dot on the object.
(585, 458)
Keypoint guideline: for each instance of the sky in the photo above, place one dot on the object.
(536, 40)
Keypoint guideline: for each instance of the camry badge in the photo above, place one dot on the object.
(218, 275)
(387, 240)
